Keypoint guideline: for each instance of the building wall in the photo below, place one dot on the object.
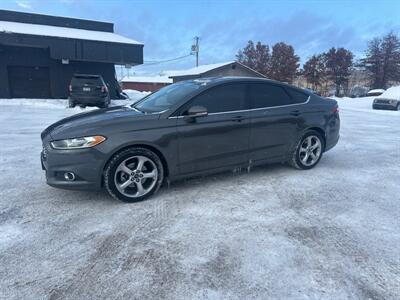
(229, 70)
(59, 74)
(143, 86)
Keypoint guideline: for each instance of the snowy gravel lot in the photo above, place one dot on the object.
(275, 233)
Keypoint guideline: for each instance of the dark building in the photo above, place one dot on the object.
(230, 68)
(40, 53)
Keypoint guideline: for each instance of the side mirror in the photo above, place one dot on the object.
(196, 111)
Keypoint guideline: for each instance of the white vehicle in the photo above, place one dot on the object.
(390, 99)
(375, 92)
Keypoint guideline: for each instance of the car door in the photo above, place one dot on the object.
(274, 121)
(220, 138)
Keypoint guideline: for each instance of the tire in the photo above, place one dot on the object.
(105, 104)
(149, 176)
(306, 156)
(398, 106)
(71, 103)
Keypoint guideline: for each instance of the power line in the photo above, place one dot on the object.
(152, 62)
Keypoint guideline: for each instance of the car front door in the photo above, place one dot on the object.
(274, 121)
(220, 138)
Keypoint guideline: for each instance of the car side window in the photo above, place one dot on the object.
(269, 95)
(297, 96)
(225, 98)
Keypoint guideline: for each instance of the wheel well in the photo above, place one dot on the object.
(321, 132)
(151, 148)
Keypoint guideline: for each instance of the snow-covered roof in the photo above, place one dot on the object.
(198, 70)
(391, 93)
(149, 79)
(64, 32)
(376, 91)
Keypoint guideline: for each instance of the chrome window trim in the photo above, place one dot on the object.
(248, 110)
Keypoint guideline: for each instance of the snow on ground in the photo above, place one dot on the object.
(332, 232)
(63, 103)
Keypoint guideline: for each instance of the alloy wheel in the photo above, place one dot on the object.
(136, 176)
(310, 150)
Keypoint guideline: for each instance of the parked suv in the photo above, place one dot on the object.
(88, 90)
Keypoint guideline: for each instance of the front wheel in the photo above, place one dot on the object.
(133, 175)
(308, 151)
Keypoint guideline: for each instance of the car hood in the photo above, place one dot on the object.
(94, 122)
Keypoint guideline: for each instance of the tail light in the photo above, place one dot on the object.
(70, 88)
(104, 89)
(335, 109)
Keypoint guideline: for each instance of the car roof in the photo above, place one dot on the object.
(228, 79)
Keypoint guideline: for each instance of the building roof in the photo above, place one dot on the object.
(63, 32)
(204, 69)
(147, 79)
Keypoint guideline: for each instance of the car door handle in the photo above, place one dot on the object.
(237, 118)
(295, 113)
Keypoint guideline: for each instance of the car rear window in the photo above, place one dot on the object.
(268, 95)
(297, 96)
(88, 80)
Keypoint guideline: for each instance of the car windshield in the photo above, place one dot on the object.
(166, 97)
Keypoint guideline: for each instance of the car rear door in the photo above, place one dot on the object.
(219, 139)
(275, 117)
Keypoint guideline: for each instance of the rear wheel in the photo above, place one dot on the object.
(308, 151)
(133, 175)
(71, 103)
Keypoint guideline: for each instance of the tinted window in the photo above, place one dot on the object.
(88, 80)
(297, 97)
(268, 95)
(229, 97)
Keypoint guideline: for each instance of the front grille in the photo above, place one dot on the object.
(382, 101)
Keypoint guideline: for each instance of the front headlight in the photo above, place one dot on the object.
(392, 101)
(78, 143)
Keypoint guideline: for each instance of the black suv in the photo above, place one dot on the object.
(88, 90)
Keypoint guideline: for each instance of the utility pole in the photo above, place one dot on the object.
(195, 49)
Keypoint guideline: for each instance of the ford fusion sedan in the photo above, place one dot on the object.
(189, 129)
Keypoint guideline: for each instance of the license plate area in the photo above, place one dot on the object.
(86, 89)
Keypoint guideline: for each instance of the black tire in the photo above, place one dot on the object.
(111, 170)
(71, 103)
(398, 106)
(296, 157)
(106, 103)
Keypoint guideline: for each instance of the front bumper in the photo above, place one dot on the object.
(384, 106)
(86, 164)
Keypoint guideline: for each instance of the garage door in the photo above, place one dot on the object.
(29, 82)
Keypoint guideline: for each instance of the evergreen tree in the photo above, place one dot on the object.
(338, 65)
(382, 60)
(314, 70)
(256, 57)
(284, 63)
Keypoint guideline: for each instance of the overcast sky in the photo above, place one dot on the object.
(167, 28)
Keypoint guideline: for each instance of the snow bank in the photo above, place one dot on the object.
(135, 95)
(58, 103)
(147, 79)
(391, 93)
(363, 104)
